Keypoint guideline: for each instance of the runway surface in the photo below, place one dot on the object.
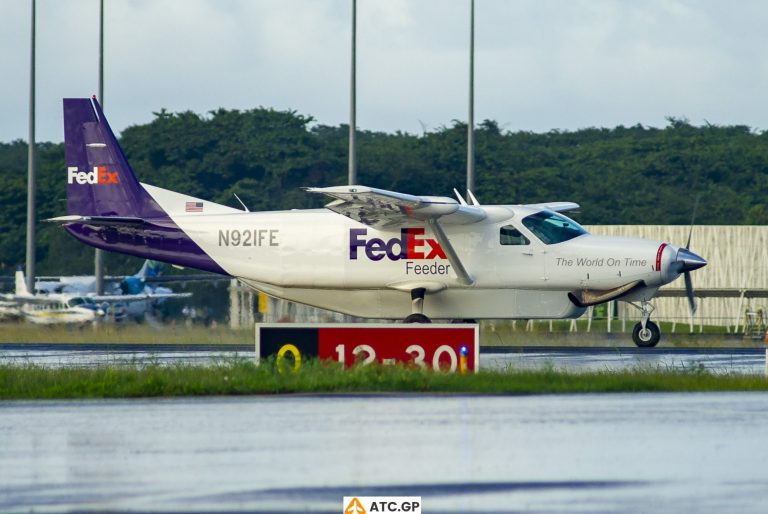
(629, 453)
(717, 360)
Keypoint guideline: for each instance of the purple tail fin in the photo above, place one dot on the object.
(100, 182)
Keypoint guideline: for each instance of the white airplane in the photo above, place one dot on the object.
(67, 307)
(48, 309)
(369, 253)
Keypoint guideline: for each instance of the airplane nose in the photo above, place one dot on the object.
(689, 261)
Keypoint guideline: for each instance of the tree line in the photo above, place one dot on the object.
(621, 175)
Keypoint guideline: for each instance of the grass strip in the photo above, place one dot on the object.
(243, 377)
(122, 333)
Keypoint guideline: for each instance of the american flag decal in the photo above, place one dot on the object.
(194, 207)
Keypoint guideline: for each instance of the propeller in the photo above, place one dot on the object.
(690, 261)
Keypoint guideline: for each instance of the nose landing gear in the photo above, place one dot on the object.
(646, 333)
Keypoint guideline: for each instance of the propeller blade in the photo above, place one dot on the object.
(689, 291)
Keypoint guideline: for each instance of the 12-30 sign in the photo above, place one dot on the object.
(445, 347)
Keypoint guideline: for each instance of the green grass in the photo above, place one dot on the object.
(243, 377)
(492, 333)
(127, 333)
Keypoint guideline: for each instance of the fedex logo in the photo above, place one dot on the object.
(410, 245)
(99, 175)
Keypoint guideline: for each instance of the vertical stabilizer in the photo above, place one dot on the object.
(150, 269)
(100, 182)
(21, 284)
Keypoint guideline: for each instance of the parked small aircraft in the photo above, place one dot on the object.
(144, 282)
(119, 284)
(69, 307)
(369, 253)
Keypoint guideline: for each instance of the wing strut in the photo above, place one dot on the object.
(461, 272)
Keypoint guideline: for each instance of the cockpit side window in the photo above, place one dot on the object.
(509, 235)
(552, 228)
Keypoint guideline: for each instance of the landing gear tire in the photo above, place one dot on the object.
(460, 321)
(647, 338)
(417, 318)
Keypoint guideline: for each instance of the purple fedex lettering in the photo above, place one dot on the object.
(376, 249)
(355, 241)
(407, 246)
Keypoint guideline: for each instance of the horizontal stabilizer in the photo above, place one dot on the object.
(105, 221)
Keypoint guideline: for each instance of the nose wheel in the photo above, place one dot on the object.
(648, 336)
(646, 333)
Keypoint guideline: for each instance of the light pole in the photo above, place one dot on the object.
(471, 120)
(352, 179)
(31, 166)
(98, 258)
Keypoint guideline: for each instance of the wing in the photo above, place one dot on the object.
(556, 206)
(388, 210)
(20, 299)
(127, 298)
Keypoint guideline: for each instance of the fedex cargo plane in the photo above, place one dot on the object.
(370, 252)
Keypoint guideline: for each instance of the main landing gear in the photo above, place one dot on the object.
(646, 333)
(417, 306)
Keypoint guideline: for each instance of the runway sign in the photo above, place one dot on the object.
(448, 347)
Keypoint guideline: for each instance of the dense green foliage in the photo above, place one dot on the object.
(238, 377)
(623, 175)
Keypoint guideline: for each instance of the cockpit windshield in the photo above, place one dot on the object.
(81, 301)
(552, 228)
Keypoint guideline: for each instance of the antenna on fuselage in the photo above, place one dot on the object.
(461, 198)
(473, 199)
(241, 202)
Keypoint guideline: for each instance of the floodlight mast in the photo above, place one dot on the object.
(98, 258)
(471, 120)
(31, 165)
(352, 179)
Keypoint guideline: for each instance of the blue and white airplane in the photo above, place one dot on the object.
(370, 253)
(133, 296)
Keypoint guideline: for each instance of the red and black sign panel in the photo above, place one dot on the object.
(445, 347)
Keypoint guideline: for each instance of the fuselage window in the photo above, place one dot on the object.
(509, 235)
(552, 228)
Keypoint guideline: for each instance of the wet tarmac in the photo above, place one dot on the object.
(576, 359)
(566, 453)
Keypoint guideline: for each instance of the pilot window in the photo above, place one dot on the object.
(552, 228)
(509, 235)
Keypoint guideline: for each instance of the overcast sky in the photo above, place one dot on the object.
(539, 64)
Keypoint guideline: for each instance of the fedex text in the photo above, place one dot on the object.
(99, 175)
(410, 245)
